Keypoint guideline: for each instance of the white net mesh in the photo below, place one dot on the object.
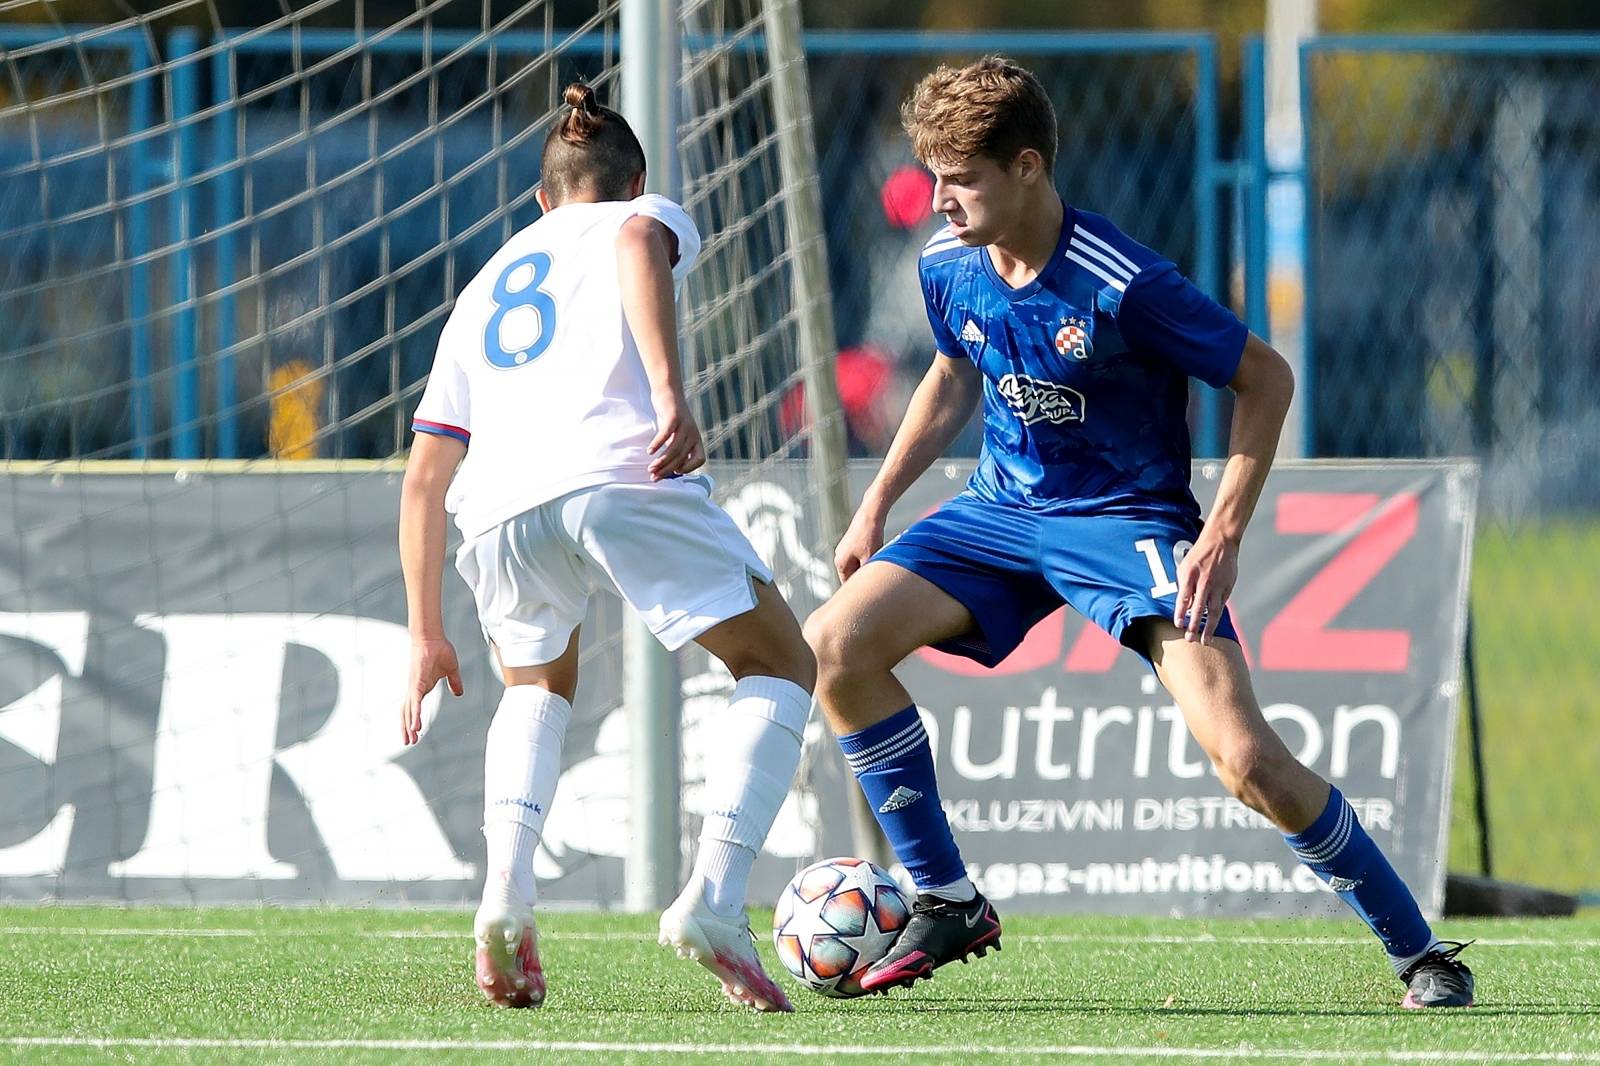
(237, 242)
(225, 235)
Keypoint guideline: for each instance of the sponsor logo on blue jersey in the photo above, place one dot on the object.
(1041, 401)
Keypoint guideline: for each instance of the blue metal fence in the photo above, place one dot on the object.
(50, 161)
(1449, 186)
(1449, 310)
(398, 187)
(322, 195)
(1138, 141)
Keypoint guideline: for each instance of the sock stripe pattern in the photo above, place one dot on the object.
(1338, 850)
(893, 761)
(1335, 843)
(888, 750)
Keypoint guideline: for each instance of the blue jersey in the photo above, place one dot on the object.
(1086, 369)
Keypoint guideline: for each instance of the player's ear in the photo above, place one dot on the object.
(1029, 165)
(636, 187)
(543, 198)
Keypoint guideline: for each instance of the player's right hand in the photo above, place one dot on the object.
(677, 446)
(861, 541)
(431, 660)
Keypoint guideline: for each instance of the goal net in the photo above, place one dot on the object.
(229, 237)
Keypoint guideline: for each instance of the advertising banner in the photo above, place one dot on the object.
(200, 676)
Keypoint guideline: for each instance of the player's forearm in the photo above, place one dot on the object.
(939, 408)
(644, 276)
(1261, 401)
(422, 543)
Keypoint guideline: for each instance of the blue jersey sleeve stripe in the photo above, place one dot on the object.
(1081, 231)
(440, 429)
(1121, 272)
(1098, 271)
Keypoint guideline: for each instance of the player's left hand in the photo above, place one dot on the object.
(432, 660)
(677, 446)
(1205, 581)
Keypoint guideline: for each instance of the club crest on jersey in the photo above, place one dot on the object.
(1073, 338)
(1041, 401)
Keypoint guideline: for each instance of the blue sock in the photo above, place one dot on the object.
(894, 764)
(1338, 850)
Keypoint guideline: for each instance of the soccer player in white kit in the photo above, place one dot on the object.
(554, 427)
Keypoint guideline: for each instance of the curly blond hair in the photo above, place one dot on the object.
(993, 108)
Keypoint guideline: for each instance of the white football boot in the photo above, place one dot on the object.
(725, 946)
(507, 963)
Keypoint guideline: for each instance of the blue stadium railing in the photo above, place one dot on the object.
(187, 161)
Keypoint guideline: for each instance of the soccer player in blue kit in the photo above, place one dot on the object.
(1080, 343)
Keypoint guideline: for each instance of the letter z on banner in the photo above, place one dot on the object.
(1068, 774)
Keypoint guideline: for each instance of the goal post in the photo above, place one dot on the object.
(651, 39)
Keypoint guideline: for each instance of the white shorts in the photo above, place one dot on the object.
(664, 547)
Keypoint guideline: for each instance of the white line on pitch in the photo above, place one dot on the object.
(1198, 939)
(1243, 1051)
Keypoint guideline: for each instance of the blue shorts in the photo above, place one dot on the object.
(1012, 567)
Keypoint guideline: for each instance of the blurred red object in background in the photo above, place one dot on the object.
(908, 197)
(864, 374)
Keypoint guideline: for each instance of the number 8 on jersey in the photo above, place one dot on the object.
(519, 305)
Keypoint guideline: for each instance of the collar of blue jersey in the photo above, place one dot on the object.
(1068, 221)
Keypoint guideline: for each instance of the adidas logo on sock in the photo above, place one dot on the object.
(971, 333)
(900, 797)
(1342, 884)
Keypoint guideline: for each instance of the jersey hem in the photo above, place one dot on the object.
(474, 521)
(1120, 506)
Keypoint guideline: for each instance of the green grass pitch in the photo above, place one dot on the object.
(1539, 677)
(103, 984)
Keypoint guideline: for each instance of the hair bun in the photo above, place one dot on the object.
(584, 117)
(580, 97)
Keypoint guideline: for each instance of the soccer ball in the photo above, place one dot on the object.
(835, 919)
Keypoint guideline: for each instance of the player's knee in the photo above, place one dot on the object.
(847, 654)
(837, 645)
(819, 635)
(1256, 773)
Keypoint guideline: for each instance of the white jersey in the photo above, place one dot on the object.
(537, 370)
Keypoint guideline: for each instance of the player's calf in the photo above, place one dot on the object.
(765, 641)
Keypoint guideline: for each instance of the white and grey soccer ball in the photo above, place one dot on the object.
(834, 920)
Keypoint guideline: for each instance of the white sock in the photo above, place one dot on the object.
(1402, 963)
(956, 891)
(509, 880)
(521, 763)
(723, 868)
(758, 749)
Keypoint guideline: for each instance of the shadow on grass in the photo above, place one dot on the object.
(1065, 1005)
